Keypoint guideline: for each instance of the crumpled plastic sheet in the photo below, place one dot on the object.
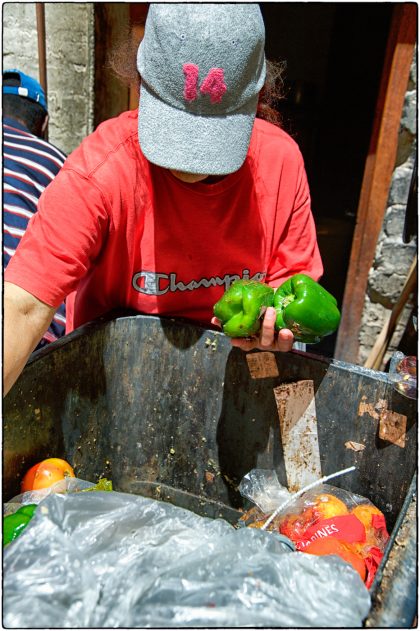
(117, 560)
(66, 485)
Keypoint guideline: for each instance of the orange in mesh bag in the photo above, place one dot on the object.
(331, 545)
(337, 515)
(329, 520)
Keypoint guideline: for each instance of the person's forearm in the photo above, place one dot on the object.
(25, 320)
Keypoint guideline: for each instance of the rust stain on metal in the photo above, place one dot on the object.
(262, 365)
(209, 476)
(350, 444)
(392, 427)
(373, 409)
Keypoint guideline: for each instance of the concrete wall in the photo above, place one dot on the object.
(70, 63)
(393, 257)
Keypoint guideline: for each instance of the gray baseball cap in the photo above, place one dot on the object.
(202, 67)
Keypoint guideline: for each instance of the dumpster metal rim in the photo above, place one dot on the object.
(127, 314)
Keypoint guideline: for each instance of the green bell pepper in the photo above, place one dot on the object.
(241, 307)
(306, 308)
(15, 523)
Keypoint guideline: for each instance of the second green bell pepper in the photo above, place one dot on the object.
(306, 308)
(15, 523)
(241, 307)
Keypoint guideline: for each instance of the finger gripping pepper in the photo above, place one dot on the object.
(15, 523)
(306, 308)
(241, 307)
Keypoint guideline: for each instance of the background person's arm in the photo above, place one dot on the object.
(25, 320)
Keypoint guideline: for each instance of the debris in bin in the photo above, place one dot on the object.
(211, 343)
(350, 444)
(392, 428)
(65, 486)
(102, 485)
(263, 488)
(403, 372)
(209, 476)
(158, 565)
(15, 523)
(308, 488)
(327, 520)
(18, 512)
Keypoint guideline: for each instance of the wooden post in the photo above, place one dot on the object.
(111, 27)
(379, 168)
(42, 55)
(138, 14)
(42, 52)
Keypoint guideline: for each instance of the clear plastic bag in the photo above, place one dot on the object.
(67, 485)
(328, 520)
(403, 373)
(118, 560)
(263, 488)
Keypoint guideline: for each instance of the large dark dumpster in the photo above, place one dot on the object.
(171, 410)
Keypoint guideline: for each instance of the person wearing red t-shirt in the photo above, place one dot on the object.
(161, 209)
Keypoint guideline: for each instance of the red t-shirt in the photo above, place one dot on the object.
(126, 233)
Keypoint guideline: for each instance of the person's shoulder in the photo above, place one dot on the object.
(23, 142)
(119, 127)
(269, 137)
(12, 126)
(51, 149)
(111, 143)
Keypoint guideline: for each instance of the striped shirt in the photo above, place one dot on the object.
(29, 165)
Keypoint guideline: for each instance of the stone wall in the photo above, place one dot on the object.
(70, 63)
(393, 257)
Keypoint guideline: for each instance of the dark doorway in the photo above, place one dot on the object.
(334, 54)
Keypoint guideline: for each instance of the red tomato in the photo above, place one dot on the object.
(329, 545)
(45, 474)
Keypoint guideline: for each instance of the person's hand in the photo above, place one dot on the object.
(268, 339)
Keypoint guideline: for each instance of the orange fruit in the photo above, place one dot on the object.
(364, 513)
(327, 505)
(329, 545)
